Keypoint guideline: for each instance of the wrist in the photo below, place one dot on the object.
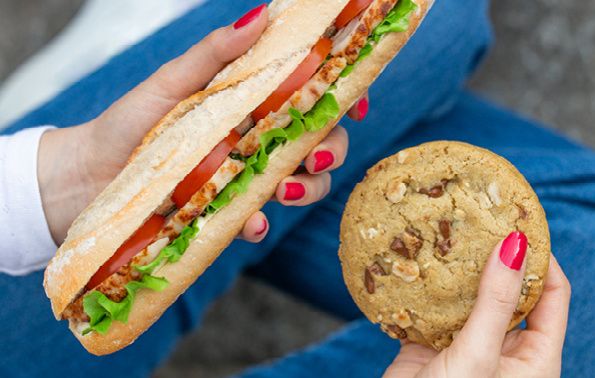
(66, 184)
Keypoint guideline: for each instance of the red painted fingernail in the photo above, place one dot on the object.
(324, 159)
(362, 108)
(512, 252)
(249, 17)
(263, 228)
(294, 191)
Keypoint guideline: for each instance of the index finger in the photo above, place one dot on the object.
(550, 316)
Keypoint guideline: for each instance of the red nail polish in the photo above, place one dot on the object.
(263, 228)
(249, 17)
(512, 252)
(324, 159)
(294, 191)
(362, 108)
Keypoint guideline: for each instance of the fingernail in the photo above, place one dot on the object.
(294, 191)
(324, 159)
(263, 228)
(512, 252)
(362, 108)
(249, 17)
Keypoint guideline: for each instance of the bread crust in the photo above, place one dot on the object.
(221, 230)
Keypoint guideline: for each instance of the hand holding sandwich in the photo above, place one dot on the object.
(76, 164)
(205, 162)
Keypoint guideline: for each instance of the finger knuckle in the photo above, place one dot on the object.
(215, 45)
(326, 191)
(503, 299)
(477, 359)
(341, 132)
(567, 287)
(318, 193)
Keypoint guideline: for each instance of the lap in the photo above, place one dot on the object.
(358, 350)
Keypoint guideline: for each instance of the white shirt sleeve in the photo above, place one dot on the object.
(26, 244)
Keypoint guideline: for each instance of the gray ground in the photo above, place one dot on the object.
(542, 65)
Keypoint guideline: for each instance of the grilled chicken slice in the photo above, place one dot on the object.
(349, 41)
(201, 199)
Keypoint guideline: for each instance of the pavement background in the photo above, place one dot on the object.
(543, 65)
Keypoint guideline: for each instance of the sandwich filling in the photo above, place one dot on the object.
(303, 103)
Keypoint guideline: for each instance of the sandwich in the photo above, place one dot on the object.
(214, 160)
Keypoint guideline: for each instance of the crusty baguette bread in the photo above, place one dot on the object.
(188, 134)
(179, 142)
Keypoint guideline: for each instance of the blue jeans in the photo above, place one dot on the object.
(419, 98)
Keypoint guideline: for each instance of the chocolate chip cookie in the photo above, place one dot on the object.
(417, 232)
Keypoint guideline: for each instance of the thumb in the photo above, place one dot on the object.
(498, 296)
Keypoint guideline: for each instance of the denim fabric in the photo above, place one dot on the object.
(418, 98)
(561, 172)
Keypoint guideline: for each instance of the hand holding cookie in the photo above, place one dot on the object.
(483, 344)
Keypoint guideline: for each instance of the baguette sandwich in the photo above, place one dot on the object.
(214, 160)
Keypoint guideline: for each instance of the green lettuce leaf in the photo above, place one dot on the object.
(363, 54)
(397, 20)
(174, 251)
(325, 110)
(103, 311)
(238, 186)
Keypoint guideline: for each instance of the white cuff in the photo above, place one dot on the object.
(26, 244)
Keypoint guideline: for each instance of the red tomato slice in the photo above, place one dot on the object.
(146, 234)
(295, 81)
(351, 11)
(131, 247)
(204, 171)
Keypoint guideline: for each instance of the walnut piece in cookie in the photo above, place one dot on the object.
(402, 157)
(407, 270)
(377, 269)
(528, 282)
(369, 282)
(395, 191)
(402, 319)
(394, 331)
(494, 194)
(444, 247)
